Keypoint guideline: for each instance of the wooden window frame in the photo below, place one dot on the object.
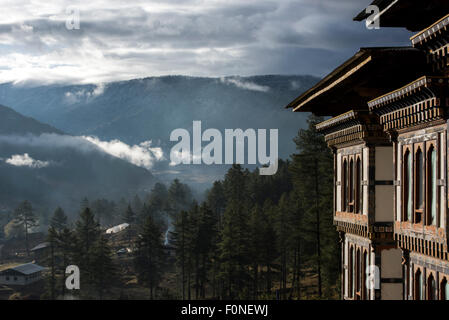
(443, 283)
(429, 290)
(417, 285)
(344, 184)
(365, 257)
(419, 212)
(405, 183)
(351, 272)
(358, 189)
(358, 274)
(428, 167)
(351, 186)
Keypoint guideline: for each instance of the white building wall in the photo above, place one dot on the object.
(384, 163)
(339, 180)
(384, 193)
(384, 204)
(399, 186)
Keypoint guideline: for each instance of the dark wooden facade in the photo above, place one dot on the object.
(416, 117)
(389, 135)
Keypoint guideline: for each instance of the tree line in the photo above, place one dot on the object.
(253, 236)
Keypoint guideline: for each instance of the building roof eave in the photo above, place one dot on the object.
(360, 79)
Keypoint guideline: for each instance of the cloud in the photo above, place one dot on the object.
(25, 160)
(121, 40)
(84, 94)
(246, 85)
(142, 155)
(178, 157)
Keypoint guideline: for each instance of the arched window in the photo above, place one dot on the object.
(358, 186)
(408, 187)
(351, 185)
(418, 285)
(358, 273)
(444, 290)
(431, 217)
(365, 275)
(351, 273)
(431, 288)
(344, 188)
(420, 185)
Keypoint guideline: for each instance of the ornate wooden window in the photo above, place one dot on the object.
(358, 273)
(358, 185)
(365, 275)
(420, 185)
(444, 290)
(344, 188)
(351, 272)
(418, 290)
(431, 190)
(407, 186)
(351, 189)
(351, 185)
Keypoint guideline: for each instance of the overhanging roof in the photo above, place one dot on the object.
(26, 269)
(370, 73)
(420, 89)
(414, 15)
(434, 36)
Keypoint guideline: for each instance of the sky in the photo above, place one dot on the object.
(40, 41)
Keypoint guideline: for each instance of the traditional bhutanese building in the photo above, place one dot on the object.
(390, 164)
(416, 115)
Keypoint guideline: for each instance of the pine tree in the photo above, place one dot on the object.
(87, 232)
(269, 238)
(103, 271)
(51, 282)
(149, 255)
(60, 256)
(256, 249)
(312, 177)
(180, 235)
(284, 239)
(129, 215)
(59, 219)
(26, 220)
(179, 198)
(235, 236)
(216, 201)
(297, 238)
(66, 242)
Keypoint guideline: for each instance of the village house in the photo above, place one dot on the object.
(21, 275)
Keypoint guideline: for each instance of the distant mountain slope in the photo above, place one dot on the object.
(43, 165)
(12, 122)
(149, 109)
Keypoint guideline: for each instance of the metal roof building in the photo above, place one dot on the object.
(22, 274)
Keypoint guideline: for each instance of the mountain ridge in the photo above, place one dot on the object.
(49, 168)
